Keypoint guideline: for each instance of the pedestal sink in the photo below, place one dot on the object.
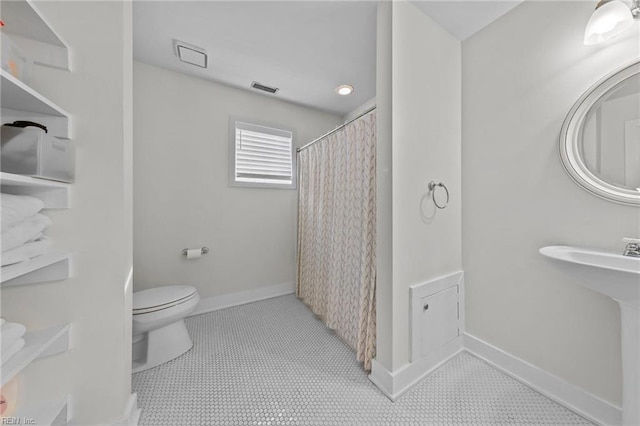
(618, 277)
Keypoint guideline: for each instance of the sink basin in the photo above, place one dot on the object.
(611, 274)
(618, 277)
(595, 258)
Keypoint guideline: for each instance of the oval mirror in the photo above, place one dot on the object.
(600, 138)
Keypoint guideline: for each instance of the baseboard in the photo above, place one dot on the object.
(393, 385)
(132, 413)
(216, 303)
(555, 388)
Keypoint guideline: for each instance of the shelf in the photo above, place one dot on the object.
(29, 29)
(49, 413)
(21, 102)
(55, 195)
(38, 344)
(17, 95)
(48, 267)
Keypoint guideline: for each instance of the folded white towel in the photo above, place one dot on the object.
(26, 251)
(16, 208)
(14, 349)
(10, 333)
(25, 231)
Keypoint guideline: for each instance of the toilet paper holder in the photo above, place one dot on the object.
(203, 250)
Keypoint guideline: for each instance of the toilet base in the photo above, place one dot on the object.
(160, 345)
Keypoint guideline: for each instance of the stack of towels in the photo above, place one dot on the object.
(11, 335)
(22, 228)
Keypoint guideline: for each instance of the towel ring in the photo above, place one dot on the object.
(432, 188)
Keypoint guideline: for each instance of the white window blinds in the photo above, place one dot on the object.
(263, 155)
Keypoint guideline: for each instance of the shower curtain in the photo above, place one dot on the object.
(337, 233)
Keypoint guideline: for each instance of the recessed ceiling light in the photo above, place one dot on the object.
(344, 90)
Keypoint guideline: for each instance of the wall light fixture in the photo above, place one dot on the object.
(610, 18)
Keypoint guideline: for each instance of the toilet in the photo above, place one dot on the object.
(159, 332)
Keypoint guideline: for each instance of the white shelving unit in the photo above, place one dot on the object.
(30, 31)
(55, 195)
(28, 28)
(38, 344)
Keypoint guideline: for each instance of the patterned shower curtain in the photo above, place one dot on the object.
(337, 233)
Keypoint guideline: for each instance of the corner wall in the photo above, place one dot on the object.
(419, 107)
(521, 75)
(426, 146)
(384, 182)
(181, 133)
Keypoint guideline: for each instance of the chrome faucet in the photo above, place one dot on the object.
(633, 247)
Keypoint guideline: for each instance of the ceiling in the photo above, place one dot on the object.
(462, 19)
(305, 48)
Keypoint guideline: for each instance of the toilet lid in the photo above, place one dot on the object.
(159, 297)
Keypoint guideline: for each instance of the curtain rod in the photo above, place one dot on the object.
(336, 129)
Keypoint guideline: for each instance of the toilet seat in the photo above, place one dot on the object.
(160, 298)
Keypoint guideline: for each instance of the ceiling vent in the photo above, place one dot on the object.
(191, 54)
(264, 88)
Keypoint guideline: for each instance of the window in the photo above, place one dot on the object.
(260, 156)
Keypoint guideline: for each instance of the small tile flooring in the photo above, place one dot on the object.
(273, 363)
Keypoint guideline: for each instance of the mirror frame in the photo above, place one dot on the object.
(571, 134)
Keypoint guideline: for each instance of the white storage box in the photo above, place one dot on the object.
(30, 151)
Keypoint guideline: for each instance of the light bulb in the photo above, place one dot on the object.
(607, 21)
(344, 90)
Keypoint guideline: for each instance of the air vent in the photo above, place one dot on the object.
(264, 88)
(191, 54)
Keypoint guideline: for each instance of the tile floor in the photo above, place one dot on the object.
(273, 363)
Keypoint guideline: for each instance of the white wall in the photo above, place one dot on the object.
(521, 75)
(182, 199)
(419, 89)
(96, 372)
(359, 110)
